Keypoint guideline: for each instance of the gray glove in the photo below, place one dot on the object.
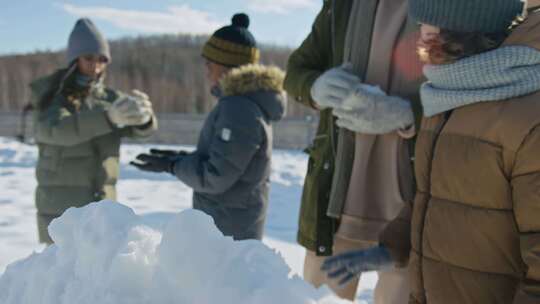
(333, 86)
(350, 265)
(369, 110)
(129, 110)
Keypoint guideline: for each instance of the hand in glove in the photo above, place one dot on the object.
(350, 265)
(168, 153)
(369, 110)
(140, 95)
(143, 101)
(133, 110)
(158, 160)
(333, 86)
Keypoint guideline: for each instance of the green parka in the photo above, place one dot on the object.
(322, 50)
(78, 147)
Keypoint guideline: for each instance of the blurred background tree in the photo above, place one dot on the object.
(169, 68)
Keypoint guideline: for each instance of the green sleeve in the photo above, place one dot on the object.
(311, 59)
(56, 125)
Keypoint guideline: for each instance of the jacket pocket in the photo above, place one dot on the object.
(316, 152)
(314, 228)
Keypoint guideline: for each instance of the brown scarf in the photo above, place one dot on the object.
(368, 197)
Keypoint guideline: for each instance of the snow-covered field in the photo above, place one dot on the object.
(157, 198)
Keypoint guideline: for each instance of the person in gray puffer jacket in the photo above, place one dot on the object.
(230, 169)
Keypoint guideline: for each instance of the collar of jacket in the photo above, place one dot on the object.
(251, 78)
(96, 88)
(42, 85)
(216, 91)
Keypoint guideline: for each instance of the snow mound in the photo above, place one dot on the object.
(105, 253)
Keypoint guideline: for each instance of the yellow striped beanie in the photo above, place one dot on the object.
(232, 45)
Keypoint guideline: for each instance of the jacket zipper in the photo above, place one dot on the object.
(438, 133)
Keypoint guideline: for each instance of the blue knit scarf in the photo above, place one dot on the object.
(500, 74)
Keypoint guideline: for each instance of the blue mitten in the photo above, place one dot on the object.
(350, 265)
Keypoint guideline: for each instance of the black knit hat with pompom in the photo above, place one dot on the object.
(232, 45)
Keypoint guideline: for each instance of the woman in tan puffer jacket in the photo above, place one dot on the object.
(472, 235)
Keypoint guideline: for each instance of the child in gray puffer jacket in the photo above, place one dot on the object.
(230, 169)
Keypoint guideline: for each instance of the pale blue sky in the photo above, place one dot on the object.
(29, 25)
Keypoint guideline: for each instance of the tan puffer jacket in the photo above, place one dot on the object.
(475, 222)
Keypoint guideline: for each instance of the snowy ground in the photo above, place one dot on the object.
(153, 196)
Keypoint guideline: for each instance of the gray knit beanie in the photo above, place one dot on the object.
(485, 16)
(85, 39)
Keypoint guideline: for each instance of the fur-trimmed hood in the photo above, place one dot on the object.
(261, 84)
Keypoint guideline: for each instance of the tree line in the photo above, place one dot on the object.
(169, 68)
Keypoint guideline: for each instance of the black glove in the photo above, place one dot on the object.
(168, 153)
(158, 160)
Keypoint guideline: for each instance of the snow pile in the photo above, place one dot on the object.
(106, 254)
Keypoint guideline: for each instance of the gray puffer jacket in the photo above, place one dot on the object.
(230, 170)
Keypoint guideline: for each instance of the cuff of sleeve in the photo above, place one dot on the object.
(399, 259)
(176, 166)
(172, 167)
(407, 133)
(147, 129)
(111, 124)
(397, 246)
(306, 96)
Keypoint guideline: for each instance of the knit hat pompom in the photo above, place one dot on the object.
(241, 20)
(232, 45)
